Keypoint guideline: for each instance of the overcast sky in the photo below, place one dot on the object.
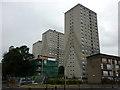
(23, 22)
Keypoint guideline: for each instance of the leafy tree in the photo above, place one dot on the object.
(61, 70)
(16, 62)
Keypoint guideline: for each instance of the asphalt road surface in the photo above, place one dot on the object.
(61, 89)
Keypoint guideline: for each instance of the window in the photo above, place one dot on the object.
(82, 38)
(109, 60)
(101, 66)
(83, 50)
(115, 61)
(118, 62)
(83, 58)
(38, 73)
(117, 66)
(82, 44)
(105, 73)
(109, 66)
(39, 68)
(39, 61)
(110, 73)
(104, 60)
(117, 74)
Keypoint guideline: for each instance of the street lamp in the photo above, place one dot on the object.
(65, 79)
(79, 81)
(46, 80)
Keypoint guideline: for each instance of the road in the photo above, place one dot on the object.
(61, 89)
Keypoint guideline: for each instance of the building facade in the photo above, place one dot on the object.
(53, 45)
(81, 40)
(119, 28)
(45, 67)
(101, 67)
(0, 75)
(36, 49)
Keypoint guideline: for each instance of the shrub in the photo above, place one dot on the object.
(107, 81)
(62, 81)
(74, 82)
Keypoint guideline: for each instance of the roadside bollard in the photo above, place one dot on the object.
(64, 87)
(55, 87)
(79, 86)
(29, 88)
(46, 88)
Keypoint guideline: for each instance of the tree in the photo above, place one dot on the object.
(16, 62)
(61, 70)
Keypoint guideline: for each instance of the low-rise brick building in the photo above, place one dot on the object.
(103, 66)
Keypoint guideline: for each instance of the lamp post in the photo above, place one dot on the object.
(113, 81)
(65, 79)
(46, 79)
(46, 76)
(79, 82)
(79, 85)
(64, 82)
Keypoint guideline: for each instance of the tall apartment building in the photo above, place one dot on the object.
(0, 75)
(36, 49)
(101, 67)
(53, 45)
(81, 40)
(119, 28)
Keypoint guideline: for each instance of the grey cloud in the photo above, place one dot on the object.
(108, 28)
(23, 23)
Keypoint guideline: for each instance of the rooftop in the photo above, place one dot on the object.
(50, 30)
(80, 6)
(101, 54)
(37, 42)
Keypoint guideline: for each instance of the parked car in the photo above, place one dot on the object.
(25, 81)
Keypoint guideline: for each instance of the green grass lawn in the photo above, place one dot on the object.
(39, 85)
(44, 85)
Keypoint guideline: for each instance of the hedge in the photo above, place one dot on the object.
(62, 81)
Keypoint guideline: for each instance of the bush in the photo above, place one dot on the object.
(107, 81)
(74, 82)
(55, 81)
(60, 76)
(62, 81)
